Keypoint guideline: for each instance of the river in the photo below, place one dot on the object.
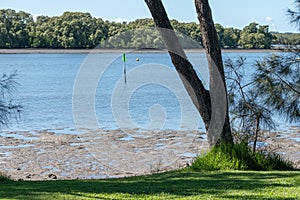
(47, 83)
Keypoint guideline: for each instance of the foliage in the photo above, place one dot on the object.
(249, 114)
(228, 37)
(137, 38)
(254, 36)
(71, 30)
(8, 108)
(14, 28)
(289, 39)
(189, 29)
(173, 185)
(239, 157)
(295, 14)
(274, 87)
(231, 38)
(81, 30)
(277, 81)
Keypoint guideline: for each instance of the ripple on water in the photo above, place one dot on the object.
(260, 144)
(189, 155)
(127, 138)
(4, 154)
(297, 139)
(17, 146)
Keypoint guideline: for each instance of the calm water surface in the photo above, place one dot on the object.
(47, 81)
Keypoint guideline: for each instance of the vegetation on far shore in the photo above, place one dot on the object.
(77, 30)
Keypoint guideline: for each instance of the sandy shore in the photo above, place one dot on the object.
(87, 51)
(44, 155)
(286, 143)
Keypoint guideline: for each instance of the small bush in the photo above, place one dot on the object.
(239, 157)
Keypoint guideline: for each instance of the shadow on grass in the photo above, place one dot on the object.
(180, 184)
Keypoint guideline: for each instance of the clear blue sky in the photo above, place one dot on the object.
(229, 13)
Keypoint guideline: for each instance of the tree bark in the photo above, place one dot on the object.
(214, 57)
(196, 90)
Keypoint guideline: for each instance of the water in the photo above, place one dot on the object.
(47, 83)
(45, 91)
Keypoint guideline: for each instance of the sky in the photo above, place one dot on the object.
(229, 13)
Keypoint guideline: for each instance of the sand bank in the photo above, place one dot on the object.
(46, 154)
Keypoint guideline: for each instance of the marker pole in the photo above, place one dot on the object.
(124, 60)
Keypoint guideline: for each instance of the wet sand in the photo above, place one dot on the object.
(286, 143)
(43, 155)
(93, 154)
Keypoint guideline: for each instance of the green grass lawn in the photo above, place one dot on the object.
(172, 185)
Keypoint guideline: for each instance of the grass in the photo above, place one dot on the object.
(195, 182)
(3, 177)
(183, 184)
(240, 157)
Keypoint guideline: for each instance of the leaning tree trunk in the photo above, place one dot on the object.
(214, 57)
(199, 95)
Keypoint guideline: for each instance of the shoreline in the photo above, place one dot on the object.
(98, 50)
(94, 154)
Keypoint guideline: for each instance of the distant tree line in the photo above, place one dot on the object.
(81, 30)
(291, 39)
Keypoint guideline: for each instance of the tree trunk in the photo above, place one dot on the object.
(199, 95)
(214, 57)
(256, 133)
